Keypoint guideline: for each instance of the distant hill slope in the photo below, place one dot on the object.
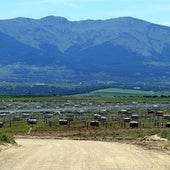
(121, 49)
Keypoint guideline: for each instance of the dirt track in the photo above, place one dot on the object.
(48, 154)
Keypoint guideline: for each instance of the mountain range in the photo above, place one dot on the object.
(54, 49)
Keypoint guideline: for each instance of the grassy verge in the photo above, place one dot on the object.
(121, 134)
(4, 138)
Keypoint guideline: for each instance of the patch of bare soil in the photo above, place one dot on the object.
(5, 146)
(154, 142)
(52, 154)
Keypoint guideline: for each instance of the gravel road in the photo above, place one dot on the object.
(50, 154)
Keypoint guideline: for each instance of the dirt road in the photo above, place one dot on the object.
(49, 154)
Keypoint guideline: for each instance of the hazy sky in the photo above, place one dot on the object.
(156, 11)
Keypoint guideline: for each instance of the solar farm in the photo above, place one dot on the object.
(43, 117)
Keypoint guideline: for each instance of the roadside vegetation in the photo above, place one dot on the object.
(4, 138)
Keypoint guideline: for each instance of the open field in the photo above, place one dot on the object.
(87, 98)
(68, 155)
(122, 92)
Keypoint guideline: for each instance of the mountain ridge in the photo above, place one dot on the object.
(91, 49)
(72, 27)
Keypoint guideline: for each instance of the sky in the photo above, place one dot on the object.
(155, 11)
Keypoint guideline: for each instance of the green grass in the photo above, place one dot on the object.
(121, 92)
(94, 98)
(4, 138)
(164, 134)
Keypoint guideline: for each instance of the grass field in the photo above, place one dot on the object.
(91, 97)
(122, 92)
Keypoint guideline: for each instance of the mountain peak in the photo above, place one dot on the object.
(54, 19)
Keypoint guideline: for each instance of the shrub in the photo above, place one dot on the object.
(165, 134)
(6, 138)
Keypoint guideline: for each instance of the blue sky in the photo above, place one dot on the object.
(156, 11)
